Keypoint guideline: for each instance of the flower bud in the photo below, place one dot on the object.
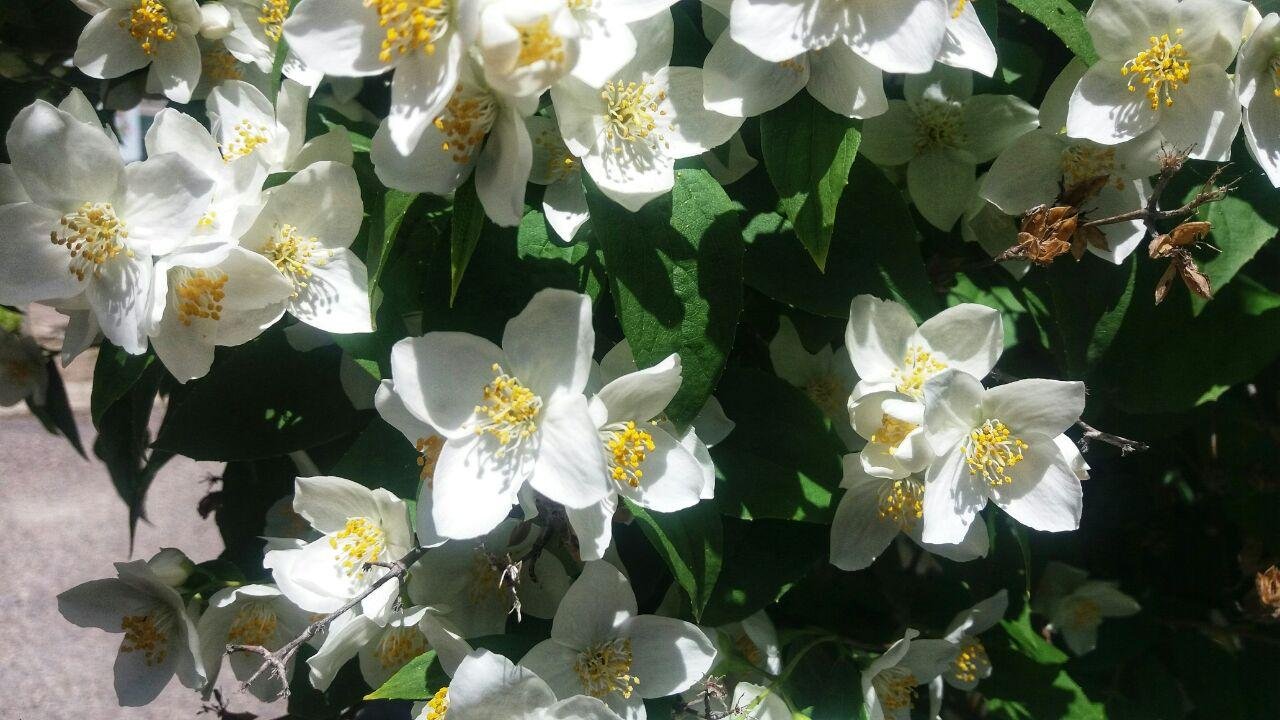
(171, 566)
(215, 21)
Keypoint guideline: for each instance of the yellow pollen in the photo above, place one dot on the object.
(827, 393)
(606, 668)
(294, 255)
(465, 122)
(148, 24)
(254, 624)
(627, 446)
(896, 689)
(1083, 162)
(485, 579)
(428, 456)
(438, 705)
(247, 138)
(271, 16)
(892, 432)
(399, 645)
(218, 65)
(200, 295)
(1086, 613)
(792, 65)
(560, 162)
(93, 235)
(748, 650)
(970, 661)
(357, 543)
(917, 367)
(410, 25)
(538, 42)
(634, 109)
(938, 124)
(207, 220)
(508, 410)
(959, 8)
(142, 634)
(901, 502)
(580, 4)
(1162, 68)
(991, 450)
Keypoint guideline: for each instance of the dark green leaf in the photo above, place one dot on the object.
(417, 680)
(1031, 682)
(1243, 221)
(762, 560)
(384, 228)
(122, 444)
(114, 374)
(1064, 20)
(691, 543)
(381, 457)
(468, 222)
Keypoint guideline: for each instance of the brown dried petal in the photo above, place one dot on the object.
(1195, 280)
(1189, 233)
(1165, 282)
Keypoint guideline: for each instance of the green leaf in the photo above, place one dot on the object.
(384, 228)
(808, 151)
(114, 374)
(277, 64)
(1064, 20)
(875, 249)
(381, 457)
(691, 543)
(763, 559)
(265, 399)
(122, 443)
(468, 222)
(781, 460)
(675, 268)
(1087, 304)
(1243, 221)
(1031, 682)
(419, 679)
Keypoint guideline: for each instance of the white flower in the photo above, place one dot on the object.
(600, 647)
(1071, 452)
(564, 202)
(246, 124)
(256, 29)
(970, 662)
(159, 636)
(826, 376)
(358, 526)
(464, 579)
(998, 444)
(966, 43)
(941, 131)
(248, 615)
(106, 221)
(218, 296)
(478, 130)
(423, 41)
(709, 427)
(1258, 90)
(889, 683)
(646, 463)
(215, 21)
(527, 45)
(171, 566)
(1045, 163)
(510, 414)
(742, 84)
(755, 702)
(22, 369)
(486, 686)
(218, 65)
(899, 36)
(1161, 64)
(305, 229)
(874, 510)
(125, 35)
(756, 639)
(1076, 606)
(630, 133)
(384, 649)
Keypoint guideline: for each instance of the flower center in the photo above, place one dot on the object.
(560, 162)
(633, 112)
(148, 24)
(217, 65)
(992, 450)
(200, 295)
(246, 137)
(538, 42)
(437, 706)
(411, 25)
(1084, 161)
(938, 124)
(485, 579)
(627, 446)
(959, 8)
(825, 392)
(917, 367)
(295, 255)
(892, 432)
(792, 65)
(1086, 613)
(901, 502)
(399, 645)
(465, 122)
(143, 633)
(508, 410)
(93, 235)
(254, 624)
(896, 688)
(360, 541)
(606, 668)
(748, 650)
(1162, 68)
(970, 661)
(428, 456)
(271, 16)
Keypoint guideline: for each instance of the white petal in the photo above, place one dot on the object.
(428, 168)
(877, 337)
(604, 47)
(1036, 406)
(644, 394)
(421, 86)
(336, 37)
(1103, 109)
(736, 82)
(668, 655)
(550, 342)
(593, 526)
(106, 50)
(858, 534)
(441, 377)
(1204, 116)
(503, 169)
(1045, 493)
(487, 686)
(176, 68)
(31, 267)
(993, 121)
(899, 35)
(1120, 28)
(569, 468)
(1026, 174)
(890, 138)
(633, 176)
(673, 477)
(967, 45)
(119, 298)
(61, 161)
(597, 605)
(969, 336)
(473, 491)
(952, 499)
(942, 185)
(774, 31)
(845, 83)
(164, 198)
(1211, 29)
(336, 298)
(693, 128)
(565, 206)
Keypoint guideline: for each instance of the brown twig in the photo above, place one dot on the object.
(1150, 214)
(1091, 433)
(276, 663)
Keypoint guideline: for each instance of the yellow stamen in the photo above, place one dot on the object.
(896, 689)
(892, 432)
(294, 255)
(94, 235)
(411, 25)
(465, 122)
(271, 16)
(509, 410)
(217, 65)
(917, 367)
(254, 624)
(1086, 613)
(634, 110)
(606, 668)
(627, 446)
(200, 295)
(991, 450)
(970, 662)
(827, 393)
(149, 24)
(142, 633)
(1162, 68)
(1083, 162)
(438, 705)
(428, 455)
(901, 502)
(360, 541)
(539, 43)
(939, 124)
(398, 646)
(247, 138)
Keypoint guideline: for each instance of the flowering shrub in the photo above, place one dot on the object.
(609, 359)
